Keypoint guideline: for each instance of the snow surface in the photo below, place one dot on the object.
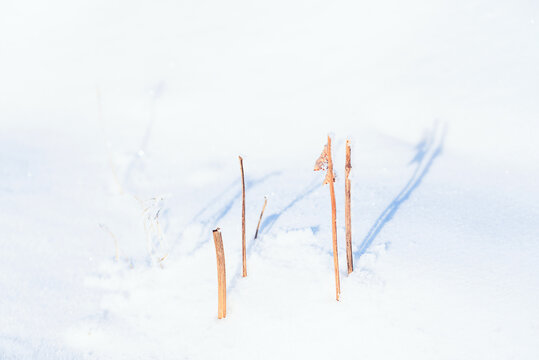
(113, 113)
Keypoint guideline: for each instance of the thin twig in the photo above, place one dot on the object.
(261, 214)
(243, 245)
(347, 209)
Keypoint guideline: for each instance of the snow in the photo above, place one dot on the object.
(113, 113)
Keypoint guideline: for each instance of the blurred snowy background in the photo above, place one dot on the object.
(110, 111)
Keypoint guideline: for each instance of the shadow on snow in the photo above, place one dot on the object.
(428, 150)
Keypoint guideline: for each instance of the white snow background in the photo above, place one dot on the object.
(103, 102)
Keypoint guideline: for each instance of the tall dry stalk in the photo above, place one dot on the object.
(221, 274)
(334, 221)
(243, 245)
(325, 162)
(347, 209)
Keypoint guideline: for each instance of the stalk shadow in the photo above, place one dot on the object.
(270, 220)
(266, 226)
(223, 210)
(428, 150)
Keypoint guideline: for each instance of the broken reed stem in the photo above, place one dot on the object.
(221, 274)
(333, 220)
(243, 249)
(261, 214)
(347, 210)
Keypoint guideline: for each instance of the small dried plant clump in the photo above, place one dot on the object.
(151, 208)
(155, 238)
(322, 163)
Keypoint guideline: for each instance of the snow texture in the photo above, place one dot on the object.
(120, 127)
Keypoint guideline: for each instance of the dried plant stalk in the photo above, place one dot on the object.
(261, 214)
(347, 209)
(243, 245)
(331, 179)
(221, 274)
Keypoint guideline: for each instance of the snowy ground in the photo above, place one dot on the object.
(105, 106)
